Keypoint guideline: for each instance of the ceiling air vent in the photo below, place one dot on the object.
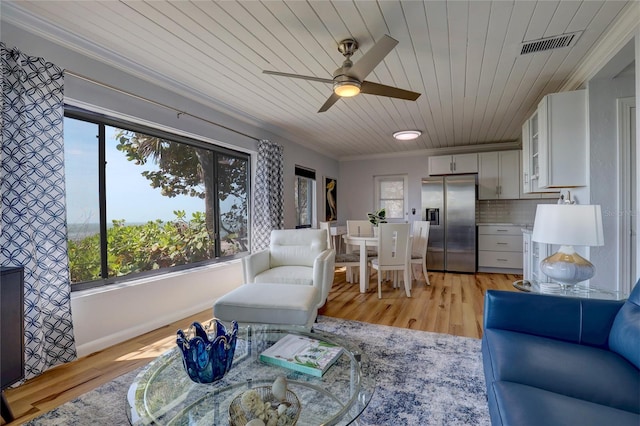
(556, 42)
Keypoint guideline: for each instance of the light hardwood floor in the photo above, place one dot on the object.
(452, 304)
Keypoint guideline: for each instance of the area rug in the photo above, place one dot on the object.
(421, 379)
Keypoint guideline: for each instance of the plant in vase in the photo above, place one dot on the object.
(377, 217)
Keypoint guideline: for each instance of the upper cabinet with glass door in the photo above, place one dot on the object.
(554, 143)
(531, 157)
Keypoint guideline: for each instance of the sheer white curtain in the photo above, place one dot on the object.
(33, 215)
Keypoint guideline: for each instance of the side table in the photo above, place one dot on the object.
(579, 290)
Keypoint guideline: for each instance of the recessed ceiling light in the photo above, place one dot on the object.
(407, 135)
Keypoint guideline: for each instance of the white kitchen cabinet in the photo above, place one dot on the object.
(453, 164)
(527, 160)
(554, 143)
(563, 140)
(530, 154)
(531, 159)
(499, 175)
(500, 248)
(532, 253)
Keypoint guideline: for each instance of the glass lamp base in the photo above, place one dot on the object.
(567, 267)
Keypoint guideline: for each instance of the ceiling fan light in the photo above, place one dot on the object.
(346, 89)
(407, 135)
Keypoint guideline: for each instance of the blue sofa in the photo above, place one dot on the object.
(552, 360)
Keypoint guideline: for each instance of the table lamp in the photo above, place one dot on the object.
(568, 225)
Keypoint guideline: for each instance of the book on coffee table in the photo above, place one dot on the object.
(303, 354)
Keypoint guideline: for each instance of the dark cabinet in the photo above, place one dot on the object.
(11, 329)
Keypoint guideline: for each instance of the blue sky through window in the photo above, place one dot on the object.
(129, 194)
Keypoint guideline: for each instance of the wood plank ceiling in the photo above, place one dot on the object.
(463, 56)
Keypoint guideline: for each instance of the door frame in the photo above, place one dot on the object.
(626, 190)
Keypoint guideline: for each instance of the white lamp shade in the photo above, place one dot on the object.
(568, 224)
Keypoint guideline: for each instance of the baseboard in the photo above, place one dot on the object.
(140, 329)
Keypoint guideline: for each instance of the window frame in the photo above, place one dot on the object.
(102, 120)
(378, 180)
(309, 175)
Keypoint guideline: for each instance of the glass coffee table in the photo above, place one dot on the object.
(163, 394)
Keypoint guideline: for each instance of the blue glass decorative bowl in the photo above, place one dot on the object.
(207, 354)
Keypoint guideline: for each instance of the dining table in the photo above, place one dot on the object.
(362, 242)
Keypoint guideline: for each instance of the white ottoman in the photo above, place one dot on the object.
(266, 303)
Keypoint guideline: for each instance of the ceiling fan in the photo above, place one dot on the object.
(349, 79)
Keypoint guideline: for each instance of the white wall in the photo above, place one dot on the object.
(112, 314)
(604, 166)
(356, 186)
(107, 316)
(356, 193)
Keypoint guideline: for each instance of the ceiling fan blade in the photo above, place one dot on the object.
(303, 77)
(332, 100)
(392, 92)
(372, 57)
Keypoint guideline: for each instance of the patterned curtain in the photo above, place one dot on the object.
(32, 209)
(268, 208)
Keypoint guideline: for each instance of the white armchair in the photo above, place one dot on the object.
(294, 256)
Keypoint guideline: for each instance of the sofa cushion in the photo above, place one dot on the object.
(624, 337)
(580, 371)
(286, 275)
(522, 405)
(584, 321)
(296, 246)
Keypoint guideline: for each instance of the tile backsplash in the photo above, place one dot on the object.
(519, 212)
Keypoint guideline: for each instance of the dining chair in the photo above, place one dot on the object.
(349, 260)
(419, 245)
(394, 254)
(359, 228)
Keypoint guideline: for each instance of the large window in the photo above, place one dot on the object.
(305, 193)
(391, 194)
(140, 200)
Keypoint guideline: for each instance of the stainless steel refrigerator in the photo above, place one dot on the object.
(449, 204)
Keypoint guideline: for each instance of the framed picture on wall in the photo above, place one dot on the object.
(330, 199)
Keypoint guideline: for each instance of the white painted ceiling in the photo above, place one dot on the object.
(463, 56)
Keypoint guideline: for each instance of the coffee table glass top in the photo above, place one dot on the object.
(163, 394)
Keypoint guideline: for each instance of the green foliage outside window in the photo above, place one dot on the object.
(137, 248)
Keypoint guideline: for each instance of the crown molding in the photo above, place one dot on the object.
(466, 149)
(622, 30)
